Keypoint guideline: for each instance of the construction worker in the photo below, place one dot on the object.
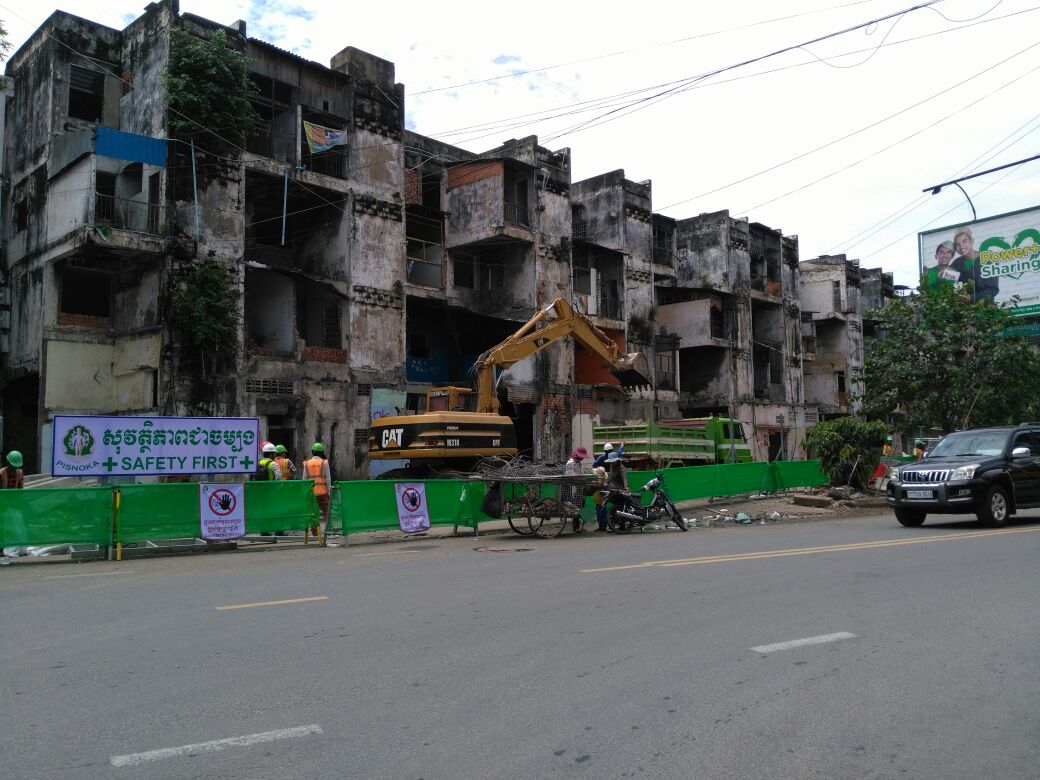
(888, 450)
(286, 465)
(11, 475)
(268, 466)
(918, 449)
(316, 467)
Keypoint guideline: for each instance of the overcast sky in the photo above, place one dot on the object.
(958, 80)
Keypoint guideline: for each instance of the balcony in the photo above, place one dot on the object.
(610, 309)
(516, 214)
(332, 163)
(124, 214)
(423, 262)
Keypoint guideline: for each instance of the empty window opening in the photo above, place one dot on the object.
(463, 270)
(424, 250)
(840, 378)
(431, 190)
(516, 200)
(86, 94)
(836, 294)
(86, 292)
(270, 313)
(665, 371)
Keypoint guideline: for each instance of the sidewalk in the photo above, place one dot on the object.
(701, 514)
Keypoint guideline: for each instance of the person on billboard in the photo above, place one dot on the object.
(947, 270)
(971, 267)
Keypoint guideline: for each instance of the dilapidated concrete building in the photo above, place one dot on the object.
(733, 307)
(362, 274)
(836, 296)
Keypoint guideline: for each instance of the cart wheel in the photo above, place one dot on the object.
(520, 524)
(550, 516)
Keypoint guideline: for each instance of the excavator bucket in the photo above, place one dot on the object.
(633, 370)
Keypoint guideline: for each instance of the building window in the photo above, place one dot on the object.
(836, 291)
(86, 292)
(86, 94)
(463, 277)
(665, 371)
(840, 377)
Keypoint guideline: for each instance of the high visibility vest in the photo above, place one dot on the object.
(316, 470)
(283, 464)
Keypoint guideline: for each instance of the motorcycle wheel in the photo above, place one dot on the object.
(676, 517)
(618, 524)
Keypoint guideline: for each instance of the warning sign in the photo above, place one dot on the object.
(412, 512)
(222, 508)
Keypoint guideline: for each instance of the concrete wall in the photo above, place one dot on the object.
(122, 375)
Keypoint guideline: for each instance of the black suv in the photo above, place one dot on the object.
(992, 472)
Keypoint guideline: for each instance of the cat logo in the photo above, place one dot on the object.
(392, 438)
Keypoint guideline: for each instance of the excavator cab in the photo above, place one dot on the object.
(448, 399)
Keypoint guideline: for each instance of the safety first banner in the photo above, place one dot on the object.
(142, 446)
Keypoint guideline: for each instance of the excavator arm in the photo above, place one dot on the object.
(630, 369)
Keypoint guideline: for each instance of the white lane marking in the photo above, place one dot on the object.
(812, 640)
(133, 759)
(395, 552)
(91, 574)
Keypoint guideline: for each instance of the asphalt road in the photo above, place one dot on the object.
(662, 655)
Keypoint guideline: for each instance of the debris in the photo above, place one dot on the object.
(841, 492)
(775, 517)
(742, 518)
(818, 501)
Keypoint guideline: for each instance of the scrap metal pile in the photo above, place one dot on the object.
(521, 470)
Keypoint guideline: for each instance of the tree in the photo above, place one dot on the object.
(5, 45)
(208, 88)
(204, 305)
(847, 448)
(947, 363)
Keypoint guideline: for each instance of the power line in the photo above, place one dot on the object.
(892, 145)
(637, 49)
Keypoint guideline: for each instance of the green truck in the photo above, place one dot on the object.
(692, 441)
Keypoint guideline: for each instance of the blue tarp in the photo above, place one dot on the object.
(129, 146)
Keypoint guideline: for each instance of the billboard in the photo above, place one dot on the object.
(1000, 256)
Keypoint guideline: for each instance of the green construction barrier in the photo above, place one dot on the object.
(284, 505)
(798, 473)
(42, 516)
(149, 512)
(732, 479)
(372, 505)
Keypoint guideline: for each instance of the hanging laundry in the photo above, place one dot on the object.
(321, 139)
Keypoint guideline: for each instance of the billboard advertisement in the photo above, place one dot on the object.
(1000, 256)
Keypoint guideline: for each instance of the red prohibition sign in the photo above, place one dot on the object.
(222, 502)
(410, 499)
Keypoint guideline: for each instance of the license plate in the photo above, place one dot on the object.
(919, 494)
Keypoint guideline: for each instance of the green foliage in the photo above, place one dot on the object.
(845, 444)
(208, 88)
(5, 45)
(204, 304)
(946, 363)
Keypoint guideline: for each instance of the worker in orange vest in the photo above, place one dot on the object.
(316, 467)
(286, 465)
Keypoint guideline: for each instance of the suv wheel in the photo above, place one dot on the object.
(996, 509)
(911, 518)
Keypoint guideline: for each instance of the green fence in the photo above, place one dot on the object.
(148, 512)
(372, 505)
(142, 512)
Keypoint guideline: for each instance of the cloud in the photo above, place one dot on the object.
(502, 59)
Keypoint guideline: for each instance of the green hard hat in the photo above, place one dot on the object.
(280, 449)
(888, 439)
(919, 443)
(317, 447)
(14, 457)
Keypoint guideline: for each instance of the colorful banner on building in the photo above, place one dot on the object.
(222, 511)
(140, 446)
(999, 256)
(413, 513)
(321, 139)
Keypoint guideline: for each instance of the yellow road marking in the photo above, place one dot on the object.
(807, 550)
(273, 603)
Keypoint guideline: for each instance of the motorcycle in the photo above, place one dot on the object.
(627, 511)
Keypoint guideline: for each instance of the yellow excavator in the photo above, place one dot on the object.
(457, 426)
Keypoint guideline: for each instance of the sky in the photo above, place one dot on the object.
(833, 141)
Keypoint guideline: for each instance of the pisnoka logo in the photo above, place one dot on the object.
(78, 441)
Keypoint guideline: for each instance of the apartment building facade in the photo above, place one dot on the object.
(360, 274)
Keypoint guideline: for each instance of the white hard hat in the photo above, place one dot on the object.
(268, 448)
(608, 447)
